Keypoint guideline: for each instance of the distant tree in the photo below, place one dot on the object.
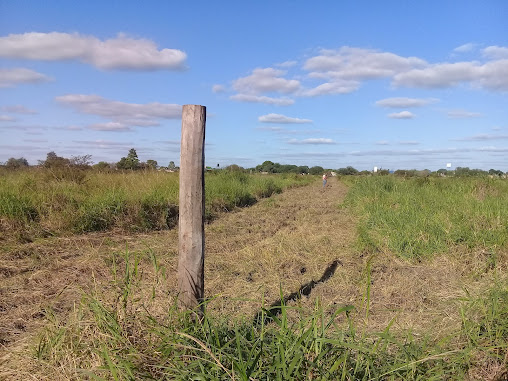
(172, 166)
(303, 169)
(129, 162)
(13, 163)
(267, 166)
(365, 173)
(467, 172)
(81, 161)
(102, 166)
(152, 164)
(495, 172)
(234, 168)
(316, 170)
(347, 171)
(54, 161)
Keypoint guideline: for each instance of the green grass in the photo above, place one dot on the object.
(116, 337)
(38, 201)
(419, 217)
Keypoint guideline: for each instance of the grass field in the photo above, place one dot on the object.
(385, 279)
(42, 203)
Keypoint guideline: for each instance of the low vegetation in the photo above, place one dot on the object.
(128, 328)
(420, 217)
(63, 200)
(117, 337)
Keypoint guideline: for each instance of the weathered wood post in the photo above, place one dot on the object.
(191, 236)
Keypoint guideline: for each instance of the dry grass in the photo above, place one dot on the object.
(252, 255)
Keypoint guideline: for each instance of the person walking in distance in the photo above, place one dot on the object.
(324, 180)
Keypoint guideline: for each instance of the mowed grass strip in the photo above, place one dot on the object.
(36, 202)
(419, 217)
(117, 337)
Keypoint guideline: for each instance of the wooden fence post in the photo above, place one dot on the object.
(191, 236)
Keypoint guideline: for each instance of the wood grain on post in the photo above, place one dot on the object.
(191, 237)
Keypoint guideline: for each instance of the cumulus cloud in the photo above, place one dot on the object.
(265, 80)
(337, 87)
(457, 114)
(278, 118)
(312, 141)
(286, 64)
(218, 88)
(12, 77)
(402, 115)
(284, 101)
(123, 115)
(6, 118)
(121, 52)
(496, 52)
(492, 75)
(17, 109)
(358, 64)
(465, 48)
(405, 102)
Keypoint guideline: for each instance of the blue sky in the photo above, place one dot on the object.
(392, 84)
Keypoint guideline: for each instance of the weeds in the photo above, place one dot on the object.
(419, 217)
(117, 337)
(85, 201)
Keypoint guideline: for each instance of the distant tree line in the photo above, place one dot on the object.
(53, 161)
(131, 162)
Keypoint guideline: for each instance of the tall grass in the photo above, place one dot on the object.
(418, 217)
(116, 337)
(36, 200)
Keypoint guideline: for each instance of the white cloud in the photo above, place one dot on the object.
(265, 80)
(456, 114)
(405, 102)
(492, 75)
(409, 142)
(402, 115)
(357, 63)
(262, 99)
(286, 64)
(12, 77)
(122, 115)
(383, 143)
(218, 88)
(110, 126)
(312, 141)
(17, 109)
(336, 87)
(103, 143)
(465, 48)
(122, 52)
(6, 118)
(496, 52)
(270, 128)
(482, 137)
(278, 118)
